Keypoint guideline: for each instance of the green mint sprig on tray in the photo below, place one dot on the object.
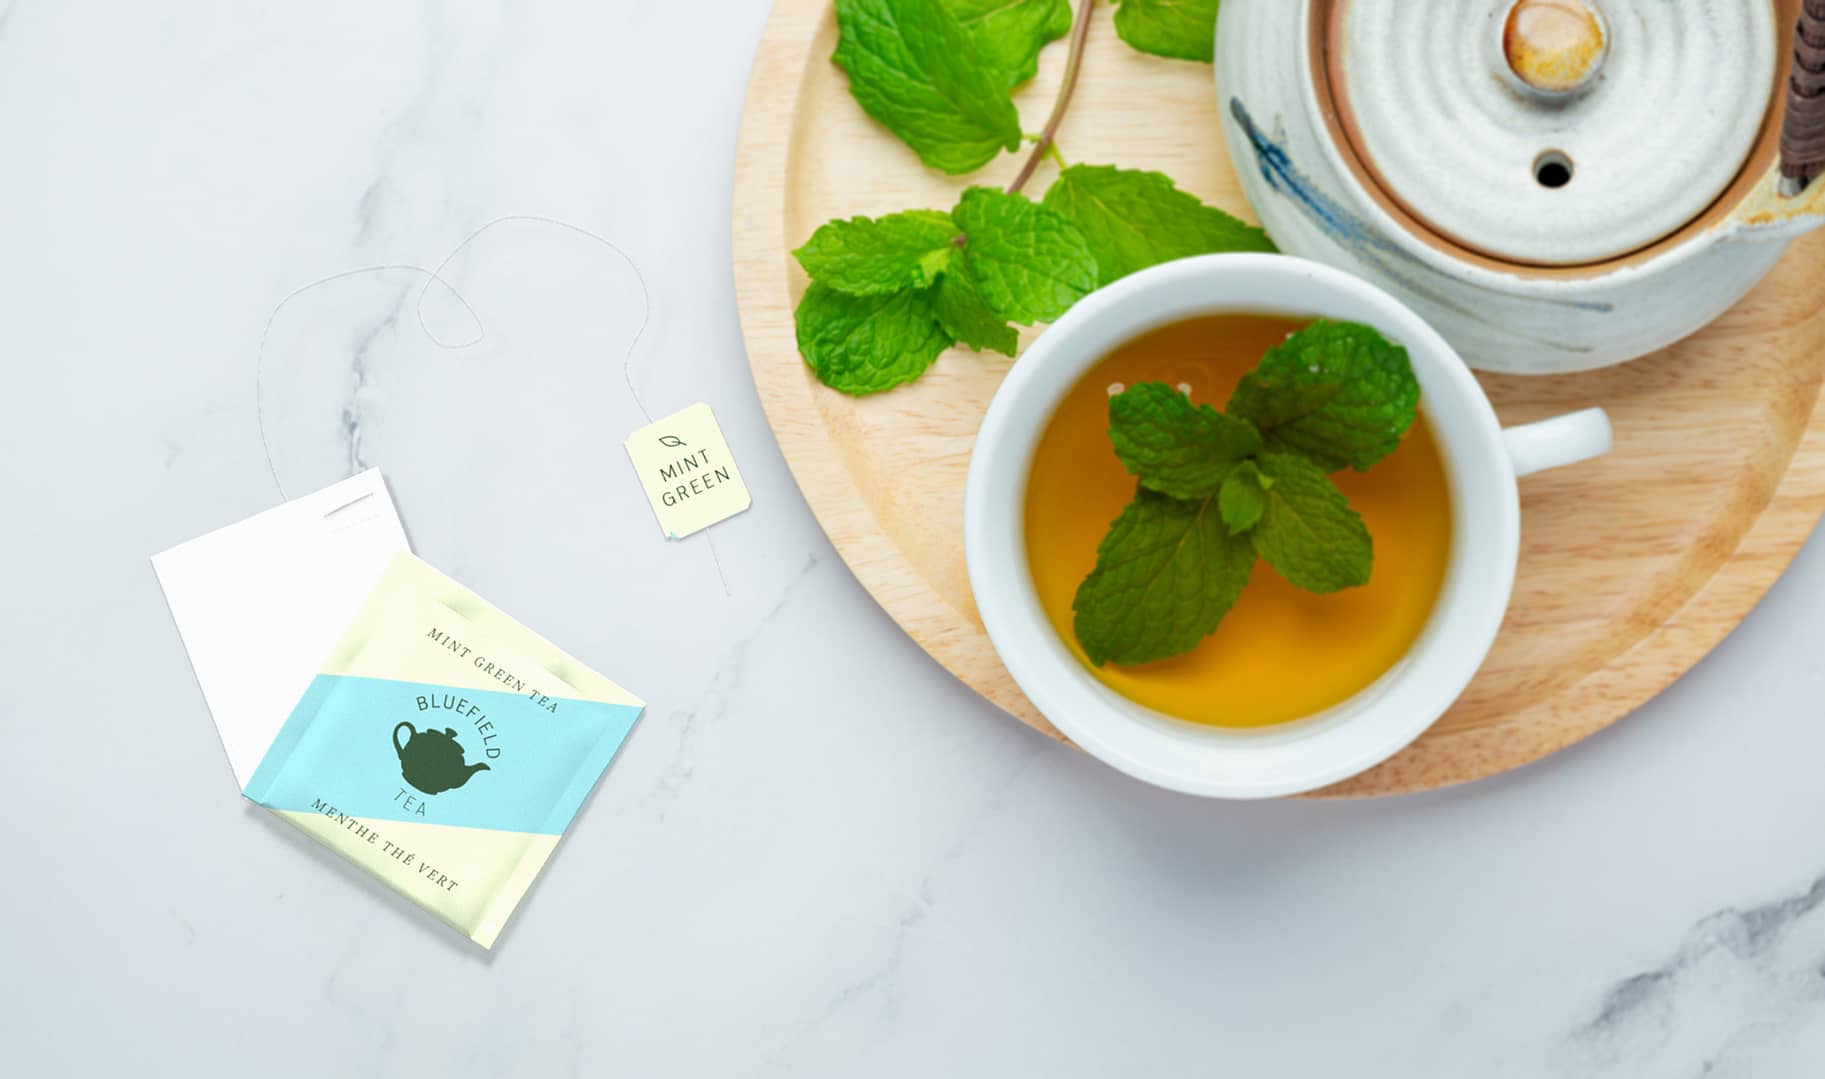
(938, 73)
(1180, 29)
(1216, 490)
(889, 294)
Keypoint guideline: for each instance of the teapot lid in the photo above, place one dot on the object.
(1554, 132)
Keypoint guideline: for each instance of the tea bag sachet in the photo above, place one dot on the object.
(444, 748)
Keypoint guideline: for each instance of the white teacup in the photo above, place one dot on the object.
(1481, 463)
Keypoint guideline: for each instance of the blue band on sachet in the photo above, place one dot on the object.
(428, 754)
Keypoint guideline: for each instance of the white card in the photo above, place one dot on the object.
(261, 602)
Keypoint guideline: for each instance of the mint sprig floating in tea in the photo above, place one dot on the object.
(889, 294)
(1218, 489)
(1177, 448)
(1332, 393)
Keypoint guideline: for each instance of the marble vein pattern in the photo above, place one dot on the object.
(818, 854)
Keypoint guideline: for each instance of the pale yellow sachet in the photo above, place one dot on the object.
(444, 748)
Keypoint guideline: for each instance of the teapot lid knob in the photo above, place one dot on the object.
(1554, 47)
(1550, 132)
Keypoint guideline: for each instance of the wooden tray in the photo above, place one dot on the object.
(1632, 567)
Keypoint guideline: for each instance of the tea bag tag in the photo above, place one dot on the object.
(689, 475)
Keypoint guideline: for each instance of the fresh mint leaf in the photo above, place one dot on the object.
(1166, 574)
(964, 314)
(1170, 568)
(1173, 446)
(1307, 529)
(1010, 33)
(1338, 393)
(1243, 497)
(866, 344)
(869, 256)
(1030, 264)
(1133, 219)
(1179, 29)
(913, 67)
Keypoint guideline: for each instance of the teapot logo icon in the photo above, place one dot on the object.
(432, 761)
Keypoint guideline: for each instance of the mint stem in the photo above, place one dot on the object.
(1080, 31)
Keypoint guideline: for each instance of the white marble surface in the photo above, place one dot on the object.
(818, 854)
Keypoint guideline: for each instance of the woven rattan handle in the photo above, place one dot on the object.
(1803, 128)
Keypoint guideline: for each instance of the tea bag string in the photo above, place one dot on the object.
(435, 276)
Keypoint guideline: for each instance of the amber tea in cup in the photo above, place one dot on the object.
(1281, 653)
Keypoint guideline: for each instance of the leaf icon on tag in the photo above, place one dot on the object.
(671, 440)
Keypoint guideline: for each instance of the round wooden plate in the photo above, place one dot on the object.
(1632, 567)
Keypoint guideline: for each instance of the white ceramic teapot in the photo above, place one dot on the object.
(1556, 185)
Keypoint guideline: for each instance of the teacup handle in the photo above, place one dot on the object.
(1562, 440)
